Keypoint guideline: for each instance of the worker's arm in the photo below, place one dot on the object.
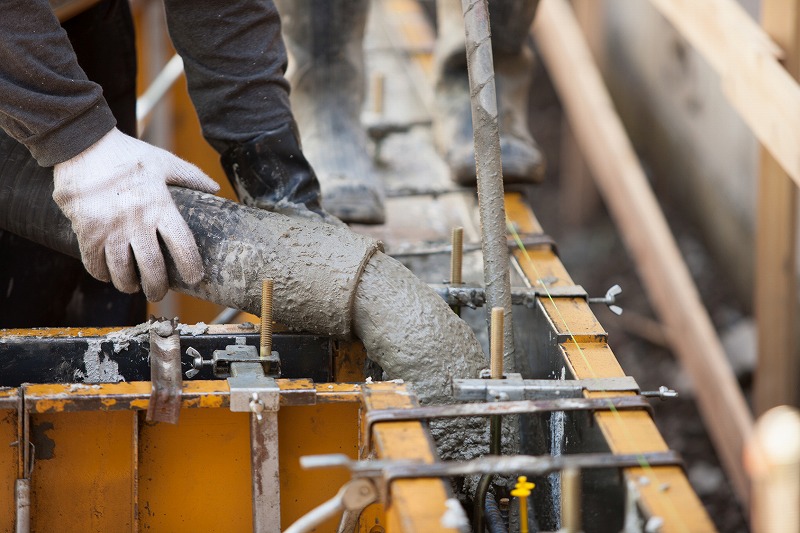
(235, 60)
(112, 187)
(46, 101)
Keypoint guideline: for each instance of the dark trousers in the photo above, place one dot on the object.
(40, 287)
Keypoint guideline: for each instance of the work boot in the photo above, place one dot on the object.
(324, 39)
(513, 63)
(270, 172)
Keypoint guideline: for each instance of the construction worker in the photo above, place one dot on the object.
(326, 70)
(67, 101)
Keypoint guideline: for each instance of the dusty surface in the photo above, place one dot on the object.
(389, 295)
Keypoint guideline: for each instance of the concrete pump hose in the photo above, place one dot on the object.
(328, 280)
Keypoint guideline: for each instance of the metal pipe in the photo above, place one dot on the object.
(486, 133)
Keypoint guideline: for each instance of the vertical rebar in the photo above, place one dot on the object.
(456, 255)
(489, 168)
(266, 318)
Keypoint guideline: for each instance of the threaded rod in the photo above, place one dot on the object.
(456, 255)
(266, 318)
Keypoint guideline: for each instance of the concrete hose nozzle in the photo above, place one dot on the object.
(328, 280)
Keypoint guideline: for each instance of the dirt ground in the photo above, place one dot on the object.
(596, 258)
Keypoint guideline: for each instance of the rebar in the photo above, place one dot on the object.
(488, 165)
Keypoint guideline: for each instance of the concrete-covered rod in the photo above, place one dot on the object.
(486, 129)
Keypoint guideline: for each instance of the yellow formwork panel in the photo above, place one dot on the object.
(195, 476)
(8, 467)
(84, 471)
(572, 318)
(308, 430)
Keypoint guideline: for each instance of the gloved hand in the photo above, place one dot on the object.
(115, 194)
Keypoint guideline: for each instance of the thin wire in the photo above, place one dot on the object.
(643, 463)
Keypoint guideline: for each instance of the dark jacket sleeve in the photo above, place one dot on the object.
(235, 62)
(46, 101)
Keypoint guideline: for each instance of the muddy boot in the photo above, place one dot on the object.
(513, 63)
(324, 39)
(270, 172)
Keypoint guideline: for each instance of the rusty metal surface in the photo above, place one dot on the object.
(165, 373)
(265, 472)
(621, 403)
(136, 396)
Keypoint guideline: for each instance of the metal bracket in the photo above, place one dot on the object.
(384, 472)
(619, 403)
(252, 391)
(221, 360)
(165, 372)
(537, 389)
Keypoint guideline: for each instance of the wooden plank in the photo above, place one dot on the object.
(633, 206)
(747, 61)
(775, 290)
(416, 504)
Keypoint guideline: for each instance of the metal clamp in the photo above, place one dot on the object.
(252, 391)
(221, 360)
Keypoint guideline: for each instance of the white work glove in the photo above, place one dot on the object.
(115, 194)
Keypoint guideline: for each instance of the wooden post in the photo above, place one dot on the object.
(775, 299)
(633, 206)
